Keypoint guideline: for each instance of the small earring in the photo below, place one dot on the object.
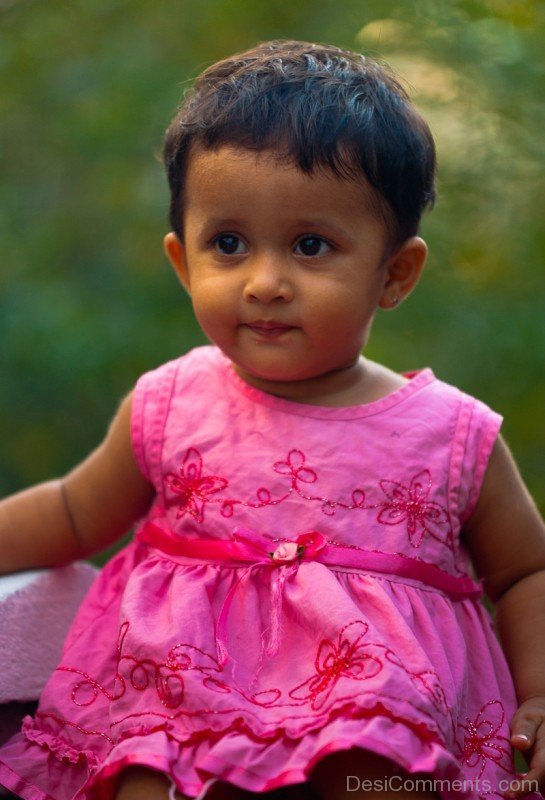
(395, 301)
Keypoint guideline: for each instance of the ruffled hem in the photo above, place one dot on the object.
(236, 756)
(239, 759)
(295, 729)
(38, 765)
(60, 749)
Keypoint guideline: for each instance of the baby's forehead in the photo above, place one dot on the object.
(217, 170)
(274, 157)
(262, 194)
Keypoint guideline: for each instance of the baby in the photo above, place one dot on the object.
(296, 613)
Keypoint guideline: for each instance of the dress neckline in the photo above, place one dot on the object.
(416, 381)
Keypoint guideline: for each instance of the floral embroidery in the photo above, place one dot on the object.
(410, 504)
(428, 680)
(482, 741)
(346, 659)
(191, 488)
(425, 681)
(266, 697)
(143, 673)
(293, 466)
(349, 656)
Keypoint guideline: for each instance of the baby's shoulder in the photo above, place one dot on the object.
(383, 383)
(203, 360)
(439, 410)
(381, 380)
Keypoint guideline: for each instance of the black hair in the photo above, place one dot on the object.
(320, 107)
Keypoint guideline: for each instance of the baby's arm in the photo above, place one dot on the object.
(506, 537)
(72, 517)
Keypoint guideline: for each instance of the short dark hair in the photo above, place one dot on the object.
(318, 106)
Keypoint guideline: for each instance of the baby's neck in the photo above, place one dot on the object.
(361, 382)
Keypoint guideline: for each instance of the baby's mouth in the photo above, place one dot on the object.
(269, 329)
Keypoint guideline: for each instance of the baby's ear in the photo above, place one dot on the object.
(403, 270)
(176, 254)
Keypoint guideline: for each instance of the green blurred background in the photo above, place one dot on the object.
(88, 302)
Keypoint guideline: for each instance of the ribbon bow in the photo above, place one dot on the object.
(250, 546)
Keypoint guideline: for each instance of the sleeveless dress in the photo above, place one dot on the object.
(298, 587)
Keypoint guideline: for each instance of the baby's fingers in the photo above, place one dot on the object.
(524, 728)
(522, 785)
(534, 779)
(522, 741)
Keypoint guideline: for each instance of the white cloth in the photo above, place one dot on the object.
(36, 610)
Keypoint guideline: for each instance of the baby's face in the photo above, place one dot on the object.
(285, 270)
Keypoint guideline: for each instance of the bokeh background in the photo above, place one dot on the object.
(87, 300)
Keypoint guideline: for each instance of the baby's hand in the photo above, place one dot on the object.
(528, 735)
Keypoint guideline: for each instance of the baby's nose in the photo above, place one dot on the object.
(268, 280)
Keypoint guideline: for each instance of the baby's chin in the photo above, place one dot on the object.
(276, 368)
(285, 381)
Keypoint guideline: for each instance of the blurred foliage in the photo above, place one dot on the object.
(87, 300)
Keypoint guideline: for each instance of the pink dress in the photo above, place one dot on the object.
(298, 587)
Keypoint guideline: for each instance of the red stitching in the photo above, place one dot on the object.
(483, 742)
(191, 491)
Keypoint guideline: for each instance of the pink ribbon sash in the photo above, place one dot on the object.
(284, 557)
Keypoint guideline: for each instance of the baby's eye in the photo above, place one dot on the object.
(313, 246)
(228, 244)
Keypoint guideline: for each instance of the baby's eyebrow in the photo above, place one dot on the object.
(222, 222)
(324, 226)
(305, 225)
(208, 224)
(322, 223)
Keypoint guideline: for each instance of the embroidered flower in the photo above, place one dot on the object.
(426, 681)
(346, 659)
(165, 679)
(294, 466)
(185, 657)
(410, 504)
(482, 740)
(191, 487)
(170, 687)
